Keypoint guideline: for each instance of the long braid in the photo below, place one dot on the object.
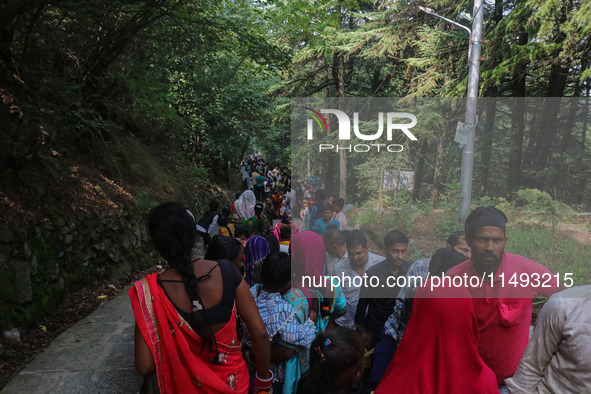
(190, 281)
(173, 231)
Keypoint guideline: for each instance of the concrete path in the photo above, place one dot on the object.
(93, 356)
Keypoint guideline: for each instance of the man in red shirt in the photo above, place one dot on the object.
(502, 286)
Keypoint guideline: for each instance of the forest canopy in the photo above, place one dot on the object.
(208, 81)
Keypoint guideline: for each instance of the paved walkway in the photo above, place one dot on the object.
(96, 355)
(93, 356)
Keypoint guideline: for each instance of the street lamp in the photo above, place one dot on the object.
(429, 11)
(474, 49)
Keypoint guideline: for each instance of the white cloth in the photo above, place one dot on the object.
(343, 270)
(284, 248)
(213, 223)
(290, 196)
(245, 205)
(558, 355)
(342, 218)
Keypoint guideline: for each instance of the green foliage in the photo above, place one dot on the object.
(448, 221)
(143, 200)
(560, 254)
(536, 200)
(377, 222)
(200, 175)
(191, 76)
(541, 204)
(492, 201)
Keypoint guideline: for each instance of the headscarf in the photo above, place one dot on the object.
(485, 216)
(257, 248)
(439, 349)
(245, 204)
(307, 258)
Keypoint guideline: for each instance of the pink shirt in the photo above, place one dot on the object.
(504, 311)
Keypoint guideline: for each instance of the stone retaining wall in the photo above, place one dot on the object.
(44, 262)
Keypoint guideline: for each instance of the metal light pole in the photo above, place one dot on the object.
(471, 100)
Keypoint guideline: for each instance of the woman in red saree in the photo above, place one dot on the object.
(438, 352)
(186, 316)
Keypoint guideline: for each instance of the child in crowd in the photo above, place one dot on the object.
(336, 363)
(280, 316)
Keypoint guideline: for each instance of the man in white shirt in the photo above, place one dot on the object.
(557, 356)
(335, 249)
(359, 260)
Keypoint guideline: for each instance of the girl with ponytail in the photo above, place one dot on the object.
(336, 363)
(186, 317)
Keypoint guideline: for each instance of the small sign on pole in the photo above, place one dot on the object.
(462, 132)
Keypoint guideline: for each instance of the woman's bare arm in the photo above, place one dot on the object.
(144, 362)
(249, 313)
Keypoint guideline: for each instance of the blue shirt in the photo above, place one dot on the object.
(320, 225)
(280, 318)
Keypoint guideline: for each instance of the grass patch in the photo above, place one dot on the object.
(561, 254)
(379, 222)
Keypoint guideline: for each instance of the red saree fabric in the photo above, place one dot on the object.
(181, 365)
(439, 349)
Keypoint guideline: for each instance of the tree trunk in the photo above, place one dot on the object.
(556, 85)
(568, 130)
(517, 119)
(420, 170)
(516, 145)
(487, 142)
(437, 168)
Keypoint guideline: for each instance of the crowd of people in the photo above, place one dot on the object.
(246, 318)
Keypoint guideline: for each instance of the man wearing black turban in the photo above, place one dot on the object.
(502, 286)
